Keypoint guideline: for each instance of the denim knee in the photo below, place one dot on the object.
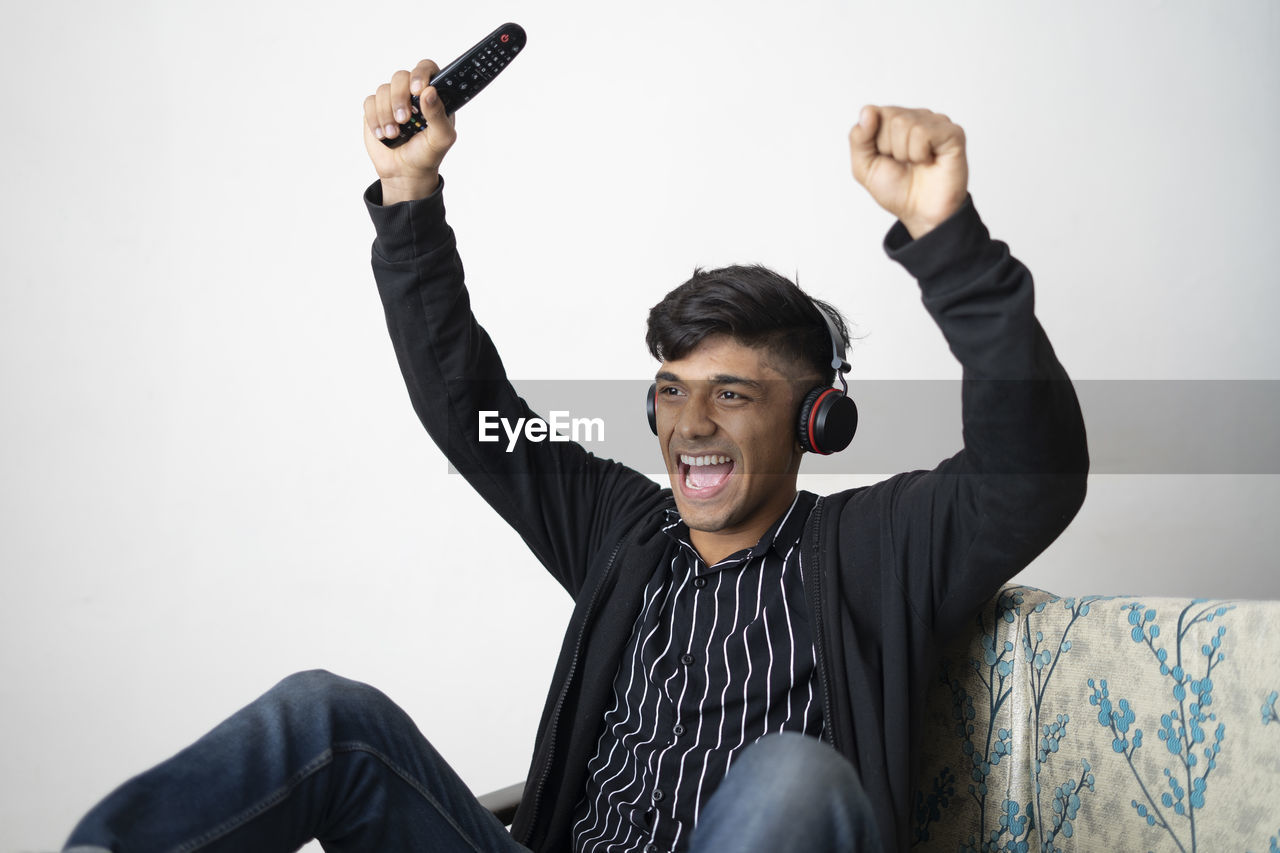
(803, 770)
(312, 686)
(788, 792)
(319, 686)
(792, 754)
(341, 705)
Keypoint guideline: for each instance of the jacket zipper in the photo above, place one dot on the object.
(554, 722)
(813, 581)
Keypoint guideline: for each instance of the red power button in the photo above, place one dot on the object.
(505, 38)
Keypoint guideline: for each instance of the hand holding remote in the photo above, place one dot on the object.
(411, 170)
(422, 104)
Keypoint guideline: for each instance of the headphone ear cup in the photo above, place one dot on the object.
(828, 420)
(806, 410)
(837, 421)
(651, 407)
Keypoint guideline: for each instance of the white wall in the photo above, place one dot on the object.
(210, 476)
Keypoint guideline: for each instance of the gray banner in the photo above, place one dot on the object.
(1134, 426)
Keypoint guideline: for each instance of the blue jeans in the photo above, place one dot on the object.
(323, 757)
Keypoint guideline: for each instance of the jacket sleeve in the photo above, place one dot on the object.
(561, 499)
(960, 531)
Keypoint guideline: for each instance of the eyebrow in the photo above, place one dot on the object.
(718, 379)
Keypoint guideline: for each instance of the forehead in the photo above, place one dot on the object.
(723, 356)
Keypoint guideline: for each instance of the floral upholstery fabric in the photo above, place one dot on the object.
(1105, 723)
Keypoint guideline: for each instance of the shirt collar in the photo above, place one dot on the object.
(781, 536)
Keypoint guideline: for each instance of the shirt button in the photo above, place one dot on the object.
(686, 659)
(699, 582)
(658, 795)
(651, 848)
(678, 730)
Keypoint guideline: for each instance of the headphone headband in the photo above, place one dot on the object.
(838, 361)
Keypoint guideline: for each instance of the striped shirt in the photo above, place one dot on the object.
(720, 656)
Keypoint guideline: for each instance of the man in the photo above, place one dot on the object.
(745, 664)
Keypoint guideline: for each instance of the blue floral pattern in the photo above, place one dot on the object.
(1182, 728)
(1018, 825)
(1016, 761)
(1268, 717)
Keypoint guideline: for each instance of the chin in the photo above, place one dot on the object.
(708, 519)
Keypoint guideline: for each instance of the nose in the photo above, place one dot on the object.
(695, 418)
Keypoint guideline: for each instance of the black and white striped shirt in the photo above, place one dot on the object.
(719, 657)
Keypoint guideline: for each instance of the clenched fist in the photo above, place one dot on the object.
(912, 162)
(411, 170)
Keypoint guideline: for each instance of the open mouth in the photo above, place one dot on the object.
(704, 476)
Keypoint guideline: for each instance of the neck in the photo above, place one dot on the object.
(714, 545)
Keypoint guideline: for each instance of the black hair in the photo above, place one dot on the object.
(751, 304)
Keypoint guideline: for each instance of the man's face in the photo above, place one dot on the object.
(726, 419)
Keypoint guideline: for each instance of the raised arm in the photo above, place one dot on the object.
(563, 501)
(964, 528)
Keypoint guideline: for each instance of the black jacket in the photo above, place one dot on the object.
(892, 569)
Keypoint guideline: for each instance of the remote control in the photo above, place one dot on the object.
(465, 77)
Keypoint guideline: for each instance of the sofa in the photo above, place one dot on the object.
(1116, 723)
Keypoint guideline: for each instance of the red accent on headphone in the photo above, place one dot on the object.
(813, 410)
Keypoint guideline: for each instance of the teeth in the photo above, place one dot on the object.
(703, 460)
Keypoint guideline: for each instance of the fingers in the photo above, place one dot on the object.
(905, 135)
(895, 136)
(432, 109)
(421, 76)
(390, 106)
(382, 99)
(398, 92)
(377, 113)
(863, 149)
(371, 117)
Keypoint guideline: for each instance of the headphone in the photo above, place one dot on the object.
(828, 416)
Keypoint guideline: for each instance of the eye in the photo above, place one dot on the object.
(669, 391)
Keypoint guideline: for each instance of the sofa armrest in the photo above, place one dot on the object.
(503, 802)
